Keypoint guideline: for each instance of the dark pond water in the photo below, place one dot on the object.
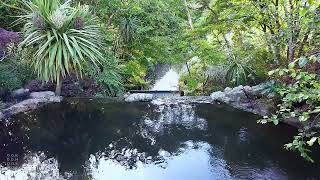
(99, 139)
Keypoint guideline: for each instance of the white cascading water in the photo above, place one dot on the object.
(170, 111)
(169, 82)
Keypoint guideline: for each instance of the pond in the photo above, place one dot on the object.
(106, 139)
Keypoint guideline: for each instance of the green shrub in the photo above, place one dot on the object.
(202, 79)
(109, 76)
(239, 73)
(14, 73)
(135, 74)
(300, 100)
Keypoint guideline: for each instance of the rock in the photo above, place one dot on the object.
(236, 94)
(256, 99)
(126, 95)
(36, 100)
(220, 96)
(139, 97)
(247, 89)
(19, 93)
(44, 94)
(271, 95)
(259, 89)
(227, 89)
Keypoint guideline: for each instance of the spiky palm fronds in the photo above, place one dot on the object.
(61, 38)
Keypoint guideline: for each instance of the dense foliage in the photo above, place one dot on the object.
(251, 37)
(299, 90)
(141, 33)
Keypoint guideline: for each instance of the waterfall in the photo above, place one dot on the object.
(169, 82)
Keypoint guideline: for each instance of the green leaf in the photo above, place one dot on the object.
(291, 65)
(303, 12)
(303, 61)
(270, 73)
(312, 140)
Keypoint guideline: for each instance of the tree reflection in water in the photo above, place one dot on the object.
(89, 139)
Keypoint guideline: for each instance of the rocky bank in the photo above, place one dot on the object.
(31, 101)
(256, 99)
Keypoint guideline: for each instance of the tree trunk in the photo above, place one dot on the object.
(303, 42)
(188, 68)
(290, 54)
(277, 46)
(58, 87)
(189, 15)
(291, 29)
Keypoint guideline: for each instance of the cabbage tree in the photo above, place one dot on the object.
(61, 38)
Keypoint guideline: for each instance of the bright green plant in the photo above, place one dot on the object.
(109, 76)
(300, 101)
(135, 74)
(195, 80)
(239, 73)
(60, 38)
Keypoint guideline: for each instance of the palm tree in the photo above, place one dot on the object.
(61, 38)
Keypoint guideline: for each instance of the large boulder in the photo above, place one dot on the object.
(220, 96)
(144, 97)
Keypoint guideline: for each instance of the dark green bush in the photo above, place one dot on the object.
(14, 74)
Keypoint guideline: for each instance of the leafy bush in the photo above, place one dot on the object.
(8, 12)
(109, 76)
(300, 100)
(14, 73)
(7, 39)
(195, 81)
(239, 73)
(134, 74)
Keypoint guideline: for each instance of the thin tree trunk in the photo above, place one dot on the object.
(191, 27)
(58, 88)
(277, 46)
(226, 41)
(264, 29)
(189, 15)
(188, 68)
(290, 50)
(290, 53)
(303, 42)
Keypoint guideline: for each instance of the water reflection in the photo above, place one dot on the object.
(83, 139)
(192, 162)
(35, 166)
